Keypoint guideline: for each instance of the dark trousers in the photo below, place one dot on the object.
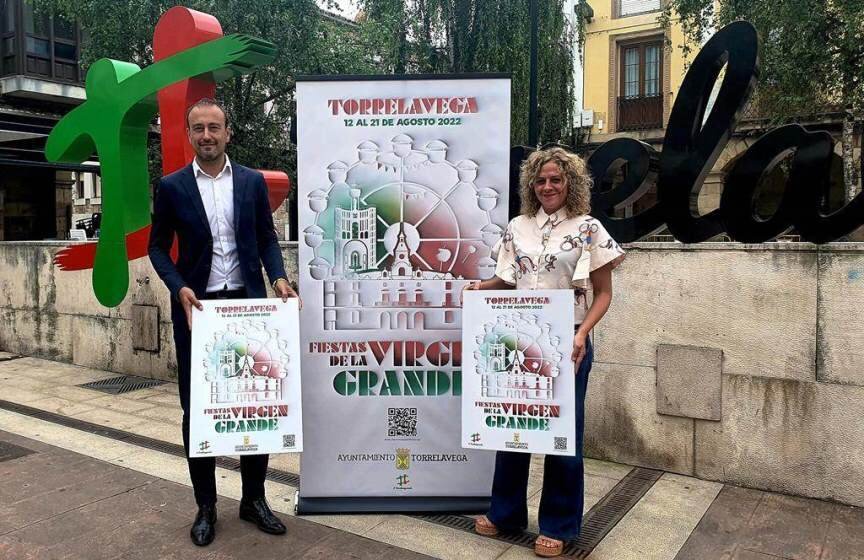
(563, 494)
(202, 470)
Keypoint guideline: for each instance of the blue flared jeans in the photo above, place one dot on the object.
(561, 502)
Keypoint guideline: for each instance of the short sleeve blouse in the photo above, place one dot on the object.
(553, 252)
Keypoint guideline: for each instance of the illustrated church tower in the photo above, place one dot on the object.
(355, 237)
(401, 267)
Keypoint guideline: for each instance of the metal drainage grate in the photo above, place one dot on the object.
(466, 523)
(276, 475)
(122, 384)
(609, 510)
(10, 451)
(284, 477)
(596, 524)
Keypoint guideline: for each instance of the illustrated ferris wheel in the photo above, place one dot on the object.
(519, 353)
(403, 213)
(518, 344)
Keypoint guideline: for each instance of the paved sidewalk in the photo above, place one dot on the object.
(744, 524)
(91, 492)
(62, 505)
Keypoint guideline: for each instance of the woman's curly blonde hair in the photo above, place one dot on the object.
(576, 177)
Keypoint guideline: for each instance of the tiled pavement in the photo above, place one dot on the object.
(744, 524)
(82, 495)
(57, 504)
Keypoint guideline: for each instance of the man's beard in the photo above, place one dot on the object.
(209, 156)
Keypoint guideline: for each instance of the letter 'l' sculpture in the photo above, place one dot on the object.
(113, 122)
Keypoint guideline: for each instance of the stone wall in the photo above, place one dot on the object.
(730, 362)
(53, 314)
(768, 335)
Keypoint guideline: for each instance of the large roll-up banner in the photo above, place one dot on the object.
(403, 186)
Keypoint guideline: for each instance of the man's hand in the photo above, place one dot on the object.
(578, 350)
(284, 290)
(187, 299)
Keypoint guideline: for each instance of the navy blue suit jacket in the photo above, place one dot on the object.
(179, 209)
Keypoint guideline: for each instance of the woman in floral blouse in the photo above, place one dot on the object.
(554, 243)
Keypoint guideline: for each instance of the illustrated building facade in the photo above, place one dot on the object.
(243, 386)
(355, 237)
(512, 383)
(389, 304)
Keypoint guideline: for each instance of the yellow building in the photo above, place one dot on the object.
(632, 69)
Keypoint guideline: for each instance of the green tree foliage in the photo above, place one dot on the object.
(261, 104)
(811, 52)
(390, 36)
(435, 36)
(811, 56)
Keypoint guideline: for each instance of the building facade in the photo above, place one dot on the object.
(633, 69)
(40, 81)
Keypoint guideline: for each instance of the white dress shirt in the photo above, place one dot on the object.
(555, 252)
(217, 194)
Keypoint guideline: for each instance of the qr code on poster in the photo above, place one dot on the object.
(560, 444)
(288, 440)
(402, 422)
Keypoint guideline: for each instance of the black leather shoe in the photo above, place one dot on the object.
(258, 512)
(204, 528)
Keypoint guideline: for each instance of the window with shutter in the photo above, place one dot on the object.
(631, 7)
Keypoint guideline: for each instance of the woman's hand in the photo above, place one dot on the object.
(494, 283)
(469, 286)
(579, 342)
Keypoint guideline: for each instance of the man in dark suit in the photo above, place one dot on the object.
(220, 212)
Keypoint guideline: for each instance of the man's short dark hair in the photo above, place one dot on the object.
(207, 102)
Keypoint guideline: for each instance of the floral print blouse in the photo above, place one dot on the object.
(557, 251)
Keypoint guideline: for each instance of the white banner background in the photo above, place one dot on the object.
(517, 373)
(245, 378)
(381, 317)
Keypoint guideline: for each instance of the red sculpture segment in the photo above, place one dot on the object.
(178, 29)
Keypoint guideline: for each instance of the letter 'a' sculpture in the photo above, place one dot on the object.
(694, 139)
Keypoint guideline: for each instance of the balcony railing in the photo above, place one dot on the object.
(640, 113)
(756, 111)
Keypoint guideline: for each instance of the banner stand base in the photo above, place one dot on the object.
(413, 504)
